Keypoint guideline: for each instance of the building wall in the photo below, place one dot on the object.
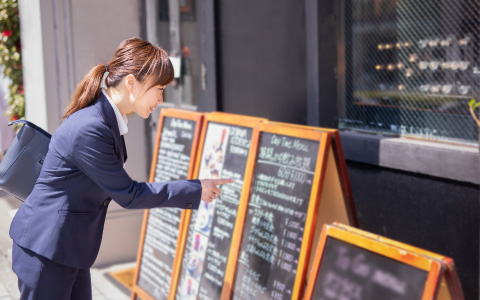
(61, 41)
(261, 59)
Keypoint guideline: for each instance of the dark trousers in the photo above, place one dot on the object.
(39, 278)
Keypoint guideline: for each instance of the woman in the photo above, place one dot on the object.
(58, 229)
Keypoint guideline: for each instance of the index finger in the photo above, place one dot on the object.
(222, 181)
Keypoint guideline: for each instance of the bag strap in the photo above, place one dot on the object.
(28, 123)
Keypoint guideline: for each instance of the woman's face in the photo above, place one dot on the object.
(148, 101)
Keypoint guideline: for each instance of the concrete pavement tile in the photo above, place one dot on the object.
(12, 287)
(3, 291)
(115, 294)
(4, 260)
(97, 295)
(8, 277)
(4, 265)
(6, 271)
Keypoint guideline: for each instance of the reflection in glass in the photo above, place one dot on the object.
(446, 42)
(424, 88)
(463, 89)
(454, 65)
(435, 88)
(464, 41)
(446, 89)
(422, 43)
(409, 72)
(463, 65)
(433, 45)
(433, 65)
(433, 42)
(423, 65)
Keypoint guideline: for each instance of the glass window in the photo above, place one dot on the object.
(175, 29)
(411, 67)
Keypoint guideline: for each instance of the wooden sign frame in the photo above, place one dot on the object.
(184, 115)
(341, 164)
(227, 119)
(435, 265)
(324, 140)
(344, 179)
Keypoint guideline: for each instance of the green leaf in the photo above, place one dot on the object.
(471, 103)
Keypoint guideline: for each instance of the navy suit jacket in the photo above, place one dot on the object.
(63, 218)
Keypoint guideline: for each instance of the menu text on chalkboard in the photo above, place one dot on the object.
(162, 229)
(275, 221)
(351, 263)
(350, 272)
(225, 151)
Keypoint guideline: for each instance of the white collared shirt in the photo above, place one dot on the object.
(121, 119)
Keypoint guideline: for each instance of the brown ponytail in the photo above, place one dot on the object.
(133, 56)
(86, 91)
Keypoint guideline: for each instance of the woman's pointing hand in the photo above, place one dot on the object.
(210, 189)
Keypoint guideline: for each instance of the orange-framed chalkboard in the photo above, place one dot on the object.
(354, 264)
(226, 144)
(173, 159)
(294, 173)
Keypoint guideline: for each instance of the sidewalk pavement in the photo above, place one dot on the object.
(103, 286)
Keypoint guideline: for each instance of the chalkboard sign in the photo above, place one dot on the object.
(352, 264)
(226, 144)
(177, 140)
(350, 272)
(282, 204)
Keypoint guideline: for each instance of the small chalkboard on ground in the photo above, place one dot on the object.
(354, 264)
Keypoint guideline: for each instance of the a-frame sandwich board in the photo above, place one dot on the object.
(354, 263)
(272, 242)
(225, 147)
(173, 158)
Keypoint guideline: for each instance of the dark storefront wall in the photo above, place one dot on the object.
(261, 59)
(432, 213)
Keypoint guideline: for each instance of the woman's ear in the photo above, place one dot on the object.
(130, 81)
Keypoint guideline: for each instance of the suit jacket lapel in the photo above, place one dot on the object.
(106, 110)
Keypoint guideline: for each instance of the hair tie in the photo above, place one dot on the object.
(103, 84)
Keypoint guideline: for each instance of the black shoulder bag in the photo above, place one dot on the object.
(21, 165)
